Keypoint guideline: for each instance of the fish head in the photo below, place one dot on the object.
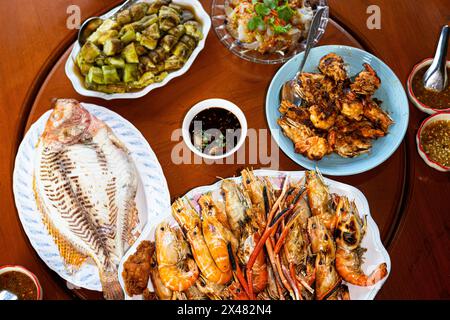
(69, 123)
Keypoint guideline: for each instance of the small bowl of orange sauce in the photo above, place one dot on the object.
(433, 141)
(20, 282)
(426, 100)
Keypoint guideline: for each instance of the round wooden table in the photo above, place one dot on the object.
(406, 197)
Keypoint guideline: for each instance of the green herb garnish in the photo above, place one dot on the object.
(285, 12)
(255, 22)
(281, 29)
(264, 9)
(261, 9)
(272, 4)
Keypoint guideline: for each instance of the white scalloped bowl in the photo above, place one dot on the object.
(423, 155)
(78, 81)
(412, 97)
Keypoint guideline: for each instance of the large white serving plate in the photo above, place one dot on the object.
(152, 197)
(78, 81)
(376, 253)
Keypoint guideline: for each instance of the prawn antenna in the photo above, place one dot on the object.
(231, 256)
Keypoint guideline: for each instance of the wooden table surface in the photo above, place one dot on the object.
(408, 199)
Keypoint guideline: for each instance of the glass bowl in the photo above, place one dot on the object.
(219, 22)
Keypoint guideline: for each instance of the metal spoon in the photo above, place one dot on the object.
(91, 24)
(435, 79)
(288, 91)
(6, 295)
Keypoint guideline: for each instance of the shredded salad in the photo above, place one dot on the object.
(268, 26)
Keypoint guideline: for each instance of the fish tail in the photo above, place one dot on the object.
(111, 286)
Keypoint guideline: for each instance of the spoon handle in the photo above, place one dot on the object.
(440, 58)
(312, 32)
(124, 6)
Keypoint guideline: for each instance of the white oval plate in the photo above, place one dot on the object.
(152, 196)
(376, 253)
(78, 82)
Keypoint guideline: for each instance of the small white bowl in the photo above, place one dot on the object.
(421, 106)
(72, 71)
(214, 103)
(28, 273)
(425, 123)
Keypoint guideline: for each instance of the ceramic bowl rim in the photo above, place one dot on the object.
(28, 273)
(216, 103)
(419, 104)
(433, 164)
(78, 82)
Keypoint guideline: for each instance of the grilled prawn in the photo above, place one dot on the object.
(161, 291)
(261, 195)
(177, 271)
(189, 220)
(366, 82)
(319, 198)
(238, 206)
(333, 66)
(216, 232)
(376, 115)
(323, 246)
(305, 141)
(350, 230)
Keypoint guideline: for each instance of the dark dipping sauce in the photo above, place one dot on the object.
(18, 283)
(435, 100)
(215, 131)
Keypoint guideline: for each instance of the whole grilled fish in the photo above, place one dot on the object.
(85, 183)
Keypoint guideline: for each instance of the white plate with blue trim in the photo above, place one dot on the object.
(376, 253)
(152, 198)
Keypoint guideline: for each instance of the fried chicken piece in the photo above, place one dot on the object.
(136, 270)
(351, 106)
(304, 139)
(332, 66)
(323, 116)
(377, 116)
(366, 82)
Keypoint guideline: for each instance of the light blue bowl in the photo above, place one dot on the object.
(391, 93)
